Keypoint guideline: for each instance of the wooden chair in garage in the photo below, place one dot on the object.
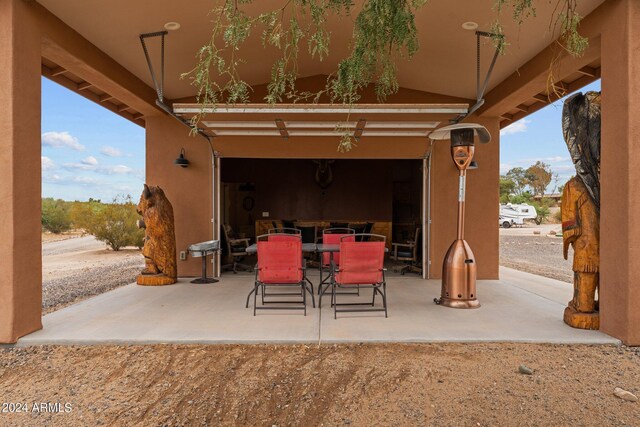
(409, 254)
(234, 249)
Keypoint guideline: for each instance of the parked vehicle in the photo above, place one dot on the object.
(511, 214)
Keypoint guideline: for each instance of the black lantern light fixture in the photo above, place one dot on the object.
(181, 161)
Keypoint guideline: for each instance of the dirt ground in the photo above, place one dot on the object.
(537, 254)
(307, 385)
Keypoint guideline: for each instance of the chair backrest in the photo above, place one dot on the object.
(361, 262)
(283, 230)
(284, 237)
(280, 261)
(417, 243)
(333, 236)
(226, 233)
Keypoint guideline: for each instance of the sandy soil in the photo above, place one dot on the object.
(306, 385)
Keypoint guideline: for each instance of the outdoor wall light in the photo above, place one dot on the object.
(181, 161)
(459, 266)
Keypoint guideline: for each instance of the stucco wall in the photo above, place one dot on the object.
(620, 177)
(188, 189)
(20, 176)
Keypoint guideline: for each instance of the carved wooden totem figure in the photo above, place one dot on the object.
(160, 241)
(581, 207)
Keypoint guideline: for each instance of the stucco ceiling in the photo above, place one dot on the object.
(445, 64)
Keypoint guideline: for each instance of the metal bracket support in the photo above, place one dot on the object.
(159, 84)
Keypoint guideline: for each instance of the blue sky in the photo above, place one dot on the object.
(539, 137)
(88, 151)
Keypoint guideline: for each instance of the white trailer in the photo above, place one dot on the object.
(511, 214)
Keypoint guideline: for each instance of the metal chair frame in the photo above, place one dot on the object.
(378, 288)
(284, 230)
(305, 286)
(327, 280)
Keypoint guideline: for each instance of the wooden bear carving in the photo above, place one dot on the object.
(159, 241)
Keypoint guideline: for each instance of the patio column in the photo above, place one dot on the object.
(620, 173)
(20, 175)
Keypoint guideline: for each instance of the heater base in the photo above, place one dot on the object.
(457, 303)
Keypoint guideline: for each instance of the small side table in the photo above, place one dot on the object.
(202, 250)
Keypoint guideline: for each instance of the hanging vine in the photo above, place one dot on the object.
(384, 31)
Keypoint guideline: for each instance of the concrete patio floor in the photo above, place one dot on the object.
(519, 307)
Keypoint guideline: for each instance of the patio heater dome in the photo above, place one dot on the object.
(459, 266)
(446, 132)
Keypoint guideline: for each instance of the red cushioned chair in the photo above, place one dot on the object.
(361, 264)
(332, 236)
(280, 264)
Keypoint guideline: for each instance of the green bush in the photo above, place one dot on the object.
(542, 209)
(113, 223)
(55, 216)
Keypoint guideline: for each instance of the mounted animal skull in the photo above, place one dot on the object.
(324, 174)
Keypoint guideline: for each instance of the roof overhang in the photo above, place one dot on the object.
(320, 120)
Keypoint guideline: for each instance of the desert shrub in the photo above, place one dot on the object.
(55, 216)
(113, 223)
(542, 209)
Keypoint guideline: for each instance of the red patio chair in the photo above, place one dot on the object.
(280, 263)
(332, 236)
(361, 264)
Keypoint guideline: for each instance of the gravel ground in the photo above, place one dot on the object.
(308, 385)
(61, 292)
(77, 268)
(539, 255)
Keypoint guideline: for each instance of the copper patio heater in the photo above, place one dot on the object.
(459, 267)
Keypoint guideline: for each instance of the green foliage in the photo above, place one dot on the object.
(55, 216)
(565, 15)
(507, 187)
(384, 31)
(519, 179)
(525, 197)
(114, 223)
(542, 209)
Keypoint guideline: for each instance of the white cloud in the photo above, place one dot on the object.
(115, 170)
(71, 180)
(61, 140)
(518, 127)
(91, 164)
(47, 163)
(92, 161)
(504, 167)
(111, 152)
(79, 166)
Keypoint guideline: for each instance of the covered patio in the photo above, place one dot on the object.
(68, 42)
(519, 307)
